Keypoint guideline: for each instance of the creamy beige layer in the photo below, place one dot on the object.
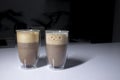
(27, 36)
(56, 39)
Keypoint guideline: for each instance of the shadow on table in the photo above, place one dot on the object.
(42, 62)
(70, 62)
(73, 62)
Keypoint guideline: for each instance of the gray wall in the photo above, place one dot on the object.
(116, 28)
(30, 8)
(33, 8)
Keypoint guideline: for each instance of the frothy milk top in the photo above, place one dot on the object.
(27, 36)
(56, 38)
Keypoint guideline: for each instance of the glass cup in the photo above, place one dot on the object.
(28, 44)
(56, 47)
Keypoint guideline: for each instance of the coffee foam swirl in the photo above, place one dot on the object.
(27, 37)
(56, 39)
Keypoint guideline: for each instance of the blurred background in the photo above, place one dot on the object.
(89, 21)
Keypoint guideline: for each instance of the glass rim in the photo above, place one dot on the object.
(26, 30)
(56, 31)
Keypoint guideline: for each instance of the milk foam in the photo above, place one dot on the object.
(56, 39)
(27, 36)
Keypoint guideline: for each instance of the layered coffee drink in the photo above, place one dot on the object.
(28, 44)
(56, 46)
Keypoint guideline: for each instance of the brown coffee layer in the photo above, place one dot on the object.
(56, 54)
(28, 52)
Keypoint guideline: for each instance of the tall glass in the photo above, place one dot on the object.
(28, 44)
(56, 47)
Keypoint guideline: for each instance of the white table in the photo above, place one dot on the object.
(87, 62)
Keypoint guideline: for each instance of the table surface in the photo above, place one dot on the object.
(85, 61)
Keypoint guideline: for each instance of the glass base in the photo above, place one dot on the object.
(56, 67)
(28, 66)
(31, 66)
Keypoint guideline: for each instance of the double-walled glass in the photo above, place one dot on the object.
(56, 47)
(28, 44)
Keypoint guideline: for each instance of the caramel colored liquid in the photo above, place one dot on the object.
(56, 54)
(28, 53)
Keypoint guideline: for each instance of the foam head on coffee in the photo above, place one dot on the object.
(27, 36)
(56, 39)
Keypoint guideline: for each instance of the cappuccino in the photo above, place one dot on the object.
(28, 44)
(56, 46)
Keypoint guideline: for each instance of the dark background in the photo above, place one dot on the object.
(90, 20)
(93, 20)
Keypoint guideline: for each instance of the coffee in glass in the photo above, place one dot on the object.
(56, 47)
(28, 44)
